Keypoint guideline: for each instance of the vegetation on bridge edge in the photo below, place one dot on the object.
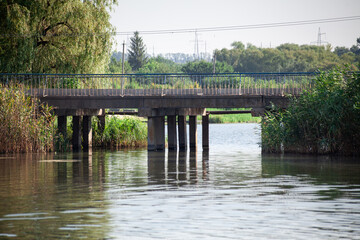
(322, 120)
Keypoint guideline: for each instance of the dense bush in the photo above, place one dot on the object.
(25, 125)
(325, 119)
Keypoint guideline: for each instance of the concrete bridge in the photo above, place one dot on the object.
(159, 97)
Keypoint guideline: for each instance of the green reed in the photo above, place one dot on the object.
(323, 120)
(120, 132)
(25, 124)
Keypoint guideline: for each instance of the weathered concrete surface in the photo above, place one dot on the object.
(156, 133)
(79, 112)
(205, 132)
(182, 132)
(154, 112)
(172, 134)
(151, 102)
(193, 132)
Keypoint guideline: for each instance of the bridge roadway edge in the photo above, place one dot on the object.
(191, 101)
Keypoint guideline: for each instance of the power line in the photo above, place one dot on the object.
(208, 29)
(245, 27)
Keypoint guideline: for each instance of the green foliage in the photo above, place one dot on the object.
(137, 52)
(160, 65)
(120, 132)
(25, 125)
(287, 58)
(55, 36)
(115, 67)
(325, 119)
(206, 67)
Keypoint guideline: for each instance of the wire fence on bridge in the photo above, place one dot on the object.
(160, 84)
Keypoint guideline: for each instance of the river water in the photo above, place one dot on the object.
(230, 192)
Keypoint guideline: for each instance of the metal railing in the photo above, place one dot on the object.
(161, 84)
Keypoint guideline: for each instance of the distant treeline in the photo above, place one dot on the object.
(240, 58)
(288, 57)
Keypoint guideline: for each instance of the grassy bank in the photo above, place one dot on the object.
(323, 120)
(232, 118)
(25, 125)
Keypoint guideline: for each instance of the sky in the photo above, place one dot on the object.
(149, 15)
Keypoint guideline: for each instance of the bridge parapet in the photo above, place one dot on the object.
(161, 84)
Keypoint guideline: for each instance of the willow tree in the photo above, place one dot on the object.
(54, 36)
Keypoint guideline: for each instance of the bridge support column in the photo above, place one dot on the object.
(205, 132)
(182, 132)
(156, 133)
(172, 135)
(87, 132)
(62, 122)
(193, 132)
(76, 137)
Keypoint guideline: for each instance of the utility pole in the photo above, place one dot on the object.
(214, 63)
(123, 58)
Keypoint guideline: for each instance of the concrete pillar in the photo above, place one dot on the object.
(182, 132)
(87, 132)
(62, 122)
(160, 133)
(193, 132)
(76, 137)
(151, 134)
(172, 135)
(205, 132)
(156, 133)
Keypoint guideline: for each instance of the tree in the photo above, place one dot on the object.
(206, 67)
(160, 65)
(137, 52)
(55, 36)
(115, 66)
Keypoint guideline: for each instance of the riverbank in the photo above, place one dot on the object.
(232, 118)
(323, 120)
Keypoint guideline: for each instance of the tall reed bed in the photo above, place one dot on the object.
(25, 125)
(120, 133)
(323, 120)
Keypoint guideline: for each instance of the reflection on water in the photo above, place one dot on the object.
(232, 192)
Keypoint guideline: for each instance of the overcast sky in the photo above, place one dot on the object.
(148, 15)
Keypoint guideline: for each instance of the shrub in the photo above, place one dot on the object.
(323, 120)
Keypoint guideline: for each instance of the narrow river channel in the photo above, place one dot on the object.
(230, 192)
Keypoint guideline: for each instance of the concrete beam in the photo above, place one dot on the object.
(79, 112)
(191, 101)
(153, 112)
